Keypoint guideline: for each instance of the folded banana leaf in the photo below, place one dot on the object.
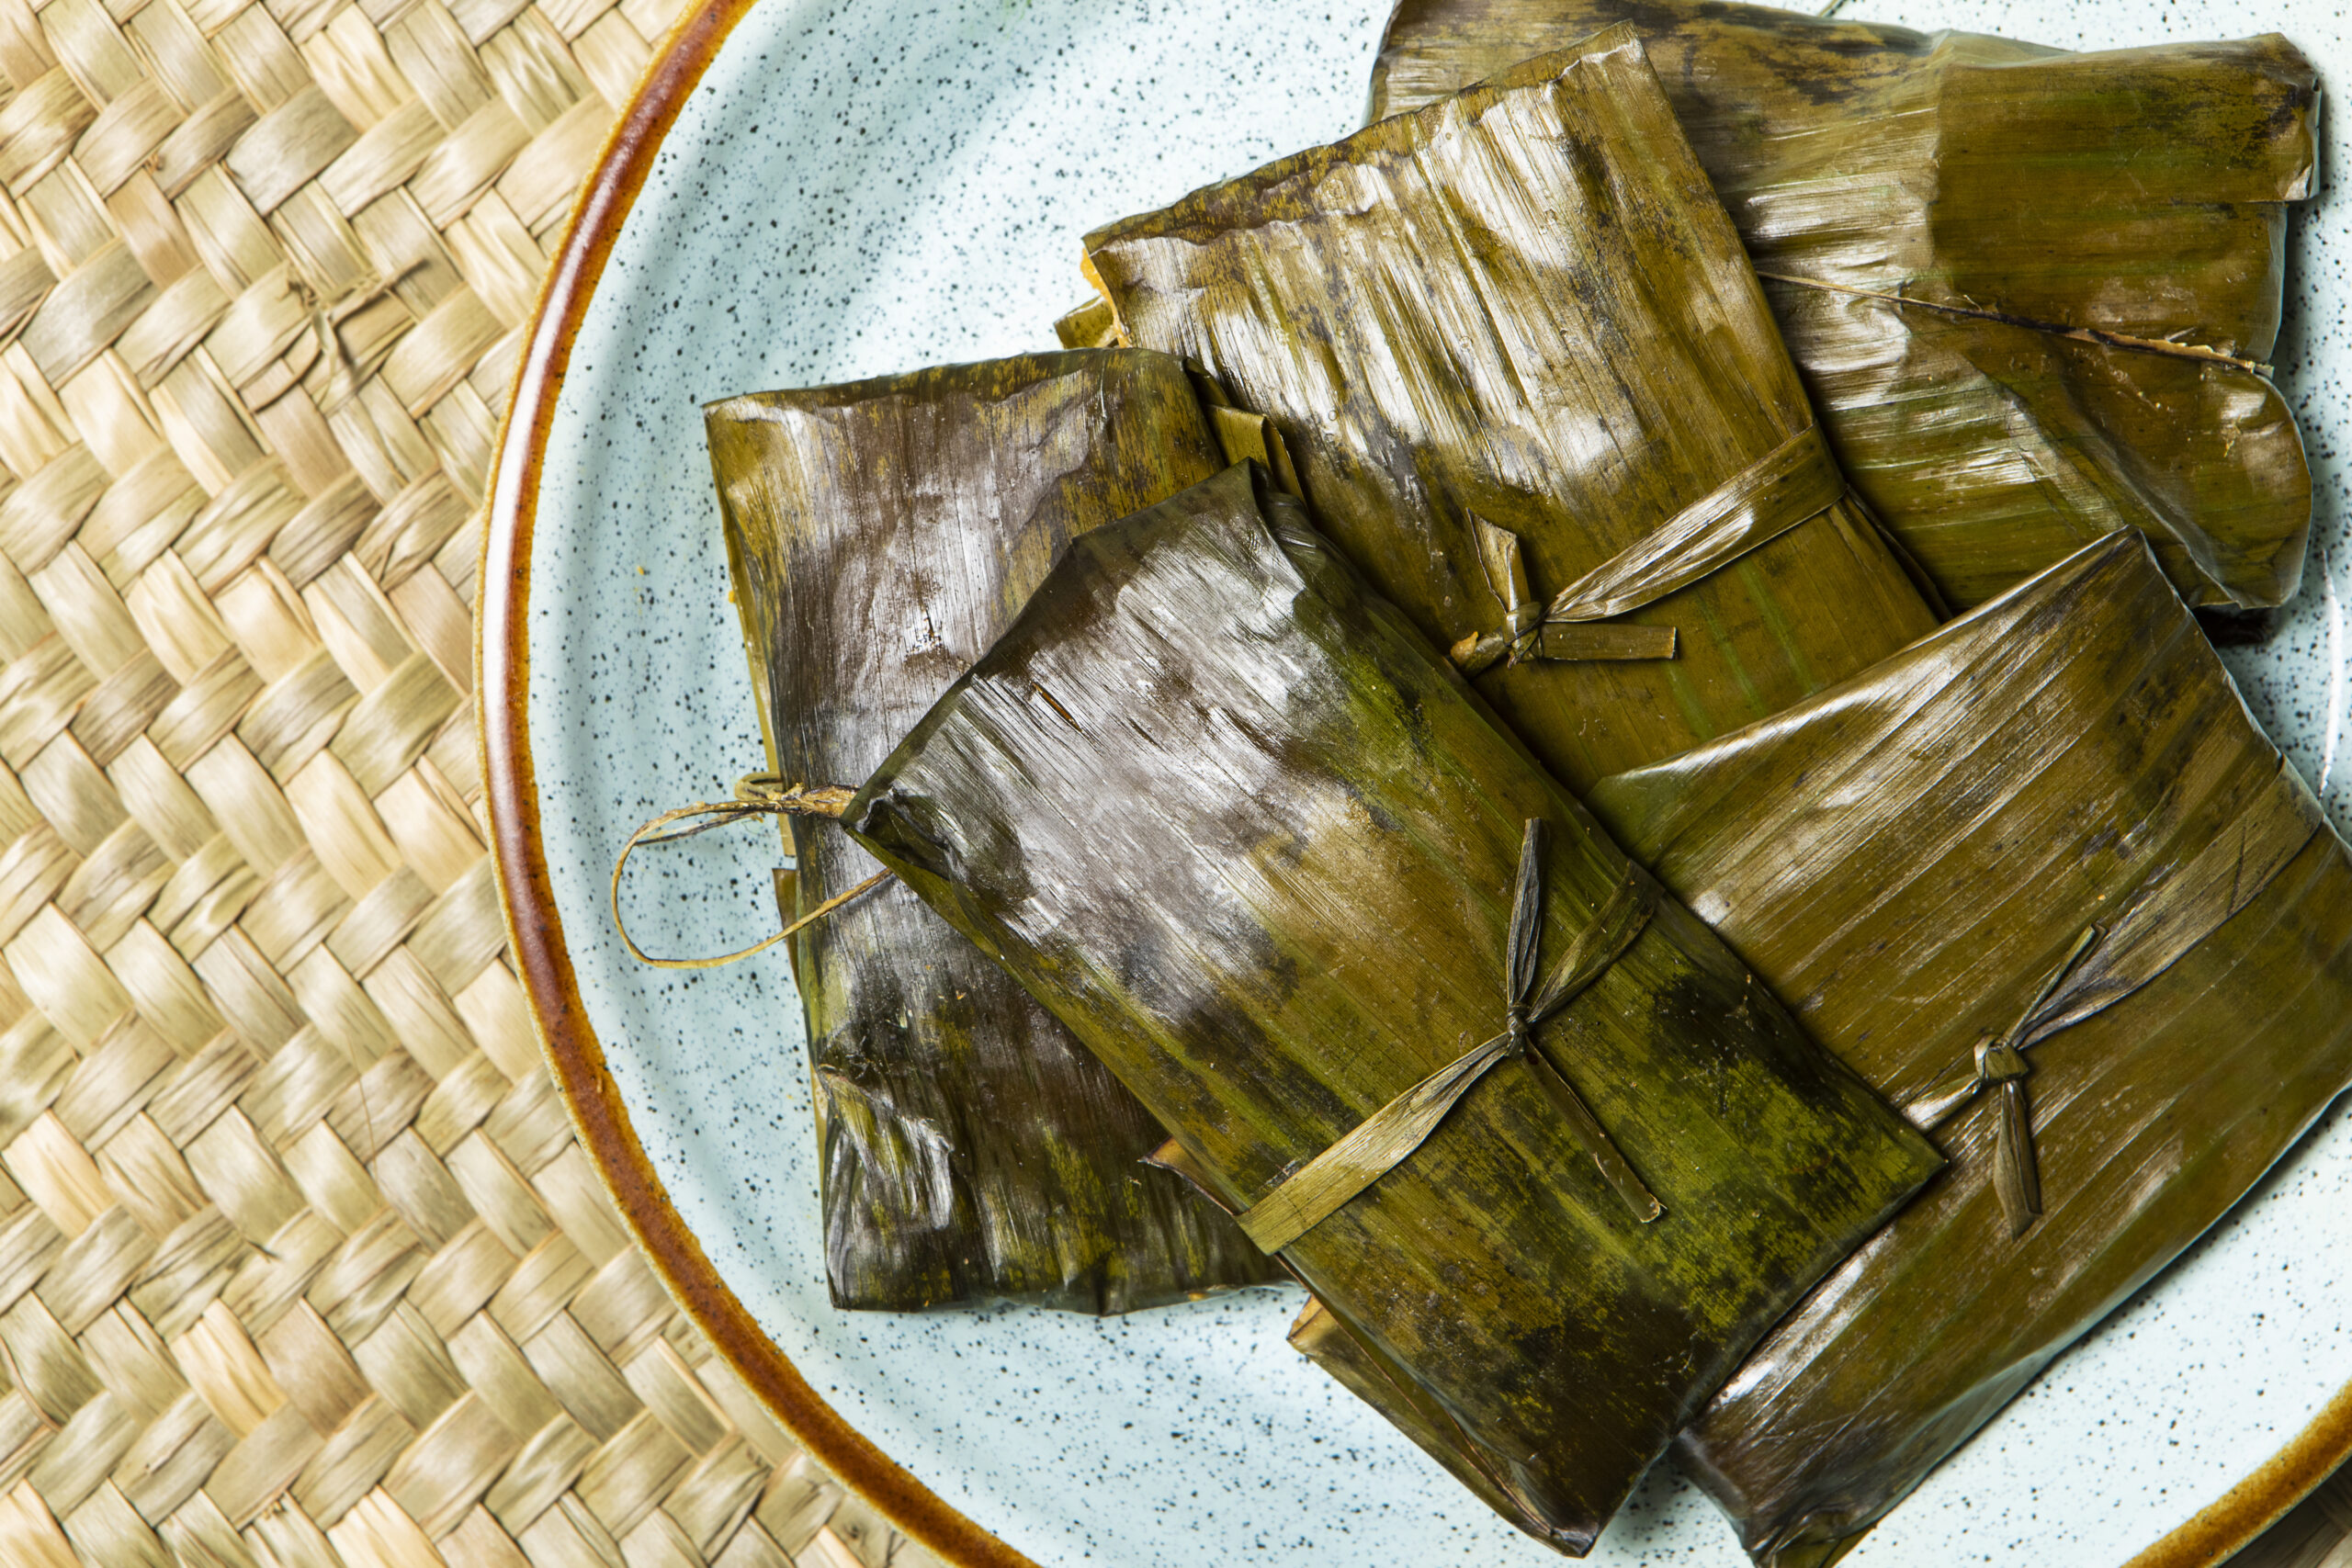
(1532, 388)
(1236, 821)
(1365, 1371)
(880, 534)
(1088, 326)
(2093, 243)
(2041, 882)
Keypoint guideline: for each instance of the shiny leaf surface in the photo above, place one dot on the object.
(880, 535)
(2020, 194)
(1237, 821)
(1523, 305)
(2059, 792)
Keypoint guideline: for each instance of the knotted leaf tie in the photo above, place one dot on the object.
(1383, 1140)
(1794, 483)
(756, 795)
(2001, 1064)
(2186, 894)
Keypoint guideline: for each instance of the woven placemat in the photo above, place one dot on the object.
(2317, 1534)
(300, 1263)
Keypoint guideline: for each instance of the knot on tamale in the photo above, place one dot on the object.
(756, 795)
(1794, 483)
(2001, 1064)
(769, 793)
(1529, 629)
(1517, 1030)
(2150, 927)
(1378, 1143)
(1998, 1062)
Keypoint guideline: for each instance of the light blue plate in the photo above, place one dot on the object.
(859, 188)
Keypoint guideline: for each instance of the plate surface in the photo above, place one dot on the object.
(855, 189)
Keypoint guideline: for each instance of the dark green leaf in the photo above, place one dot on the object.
(1521, 307)
(880, 535)
(2130, 195)
(1236, 822)
(2049, 828)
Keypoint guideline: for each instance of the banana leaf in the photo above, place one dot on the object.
(879, 536)
(1532, 388)
(2091, 244)
(1236, 822)
(1370, 1376)
(1363, 1371)
(1088, 326)
(2041, 882)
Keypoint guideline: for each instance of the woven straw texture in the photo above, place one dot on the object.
(2317, 1534)
(299, 1264)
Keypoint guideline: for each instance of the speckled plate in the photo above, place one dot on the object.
(803, 194)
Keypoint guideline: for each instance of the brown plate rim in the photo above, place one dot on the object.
(576, 1057)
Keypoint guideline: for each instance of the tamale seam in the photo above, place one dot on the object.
(2100, 336)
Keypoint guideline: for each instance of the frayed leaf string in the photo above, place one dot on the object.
(1385, 1139)
(756, 795)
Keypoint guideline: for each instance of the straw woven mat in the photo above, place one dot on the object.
(299, 1264)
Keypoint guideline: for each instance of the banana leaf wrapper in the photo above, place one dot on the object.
(1234, 819)
(1520, 314)
(1360, 1366)
(1363, 1371)
(2096, 243)
(880, 535)
(1090, 325)
(2047, 836)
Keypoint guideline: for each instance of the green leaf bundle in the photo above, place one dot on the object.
(1244, 829)
(2031, 290)
(880, 535)
(2042, 881)
(1532, 388)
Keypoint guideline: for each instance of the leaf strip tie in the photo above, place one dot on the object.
(2000, 1061)
(2182, 902)
(1381, 1140)
(756, 795)
(1791, 484)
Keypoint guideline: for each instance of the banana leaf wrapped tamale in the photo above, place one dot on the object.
(880, 534)
(1532, 389)
(1245, 832)
(2093, 243)
(2040, 881)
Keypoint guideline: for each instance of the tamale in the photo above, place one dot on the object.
(1532, 389)
(2091, 246)
(1236, 821)
(2042, 881)
(879, 536)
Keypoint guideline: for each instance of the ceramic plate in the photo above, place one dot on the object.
(806, 194)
